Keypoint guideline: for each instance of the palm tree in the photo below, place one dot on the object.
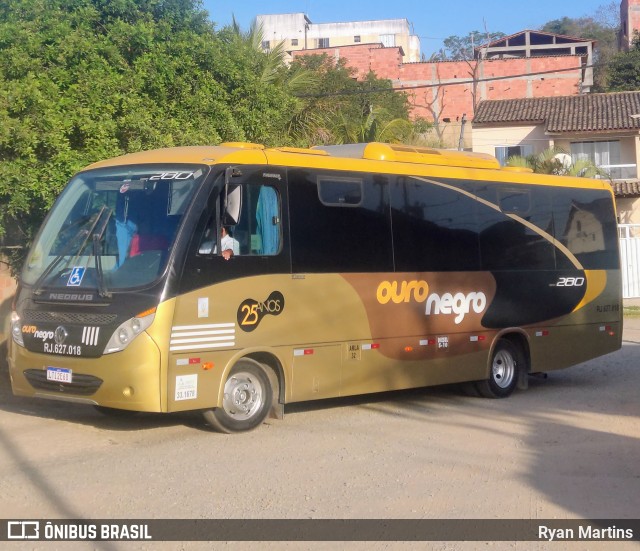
(375, 126)
(555, 160)
(272, 69)
(271, 65)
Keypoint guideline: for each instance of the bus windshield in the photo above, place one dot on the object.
(112, 228)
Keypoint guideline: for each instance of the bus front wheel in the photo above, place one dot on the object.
(246, 401)
(506, 361)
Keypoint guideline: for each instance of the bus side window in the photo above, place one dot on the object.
(340, 222)
(584, 222)
(259, 230)
(268, 221)
(434, 227)
(516, 235)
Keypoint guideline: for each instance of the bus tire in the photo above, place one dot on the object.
(506, 361)
(246, 401)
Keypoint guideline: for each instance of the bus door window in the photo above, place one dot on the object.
(256, 233)
(268, 221)
(259, 229)
(254, 230)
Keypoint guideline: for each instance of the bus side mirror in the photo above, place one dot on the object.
(232, 198)
(232, 205)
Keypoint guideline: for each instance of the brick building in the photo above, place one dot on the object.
(528, 64)
(444, 92)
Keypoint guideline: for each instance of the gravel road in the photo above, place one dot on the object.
(566, 448)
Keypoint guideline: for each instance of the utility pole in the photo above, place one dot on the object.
(461, 140)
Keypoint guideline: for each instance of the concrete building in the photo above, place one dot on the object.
(530, 44)
(629, 23)
(297, 32)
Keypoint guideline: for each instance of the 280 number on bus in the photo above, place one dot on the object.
(570, 282)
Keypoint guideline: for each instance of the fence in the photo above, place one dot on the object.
(630, 259)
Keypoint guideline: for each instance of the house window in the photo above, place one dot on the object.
(265, 45)
(356, 38)
(503, 152)
(605, 155)
(294, 41)
(323, 42)
(388, 40)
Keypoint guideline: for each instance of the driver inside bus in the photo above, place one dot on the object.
(230, 246)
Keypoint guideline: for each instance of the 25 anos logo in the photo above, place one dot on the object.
(251, 312)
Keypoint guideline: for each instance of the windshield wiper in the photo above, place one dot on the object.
(37, 287)
(97, 253)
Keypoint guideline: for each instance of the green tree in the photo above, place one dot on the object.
(271, 70)
(83, 80)
(462, 48)
(340, 109)
(375, 126)
(624, 69)
(601, 27)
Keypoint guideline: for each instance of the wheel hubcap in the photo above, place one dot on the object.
(243, 396)
(503, 369)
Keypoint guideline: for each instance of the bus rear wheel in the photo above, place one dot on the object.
(506, 362)
(246, 401)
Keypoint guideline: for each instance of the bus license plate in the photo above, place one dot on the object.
(59, 374)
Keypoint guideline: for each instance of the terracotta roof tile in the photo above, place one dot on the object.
(626, 189)
(584, 113)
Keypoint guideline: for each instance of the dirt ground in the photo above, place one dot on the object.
(566, 448)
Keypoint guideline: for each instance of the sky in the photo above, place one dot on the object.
(432, 20)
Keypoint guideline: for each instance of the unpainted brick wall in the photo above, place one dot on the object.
(445, 89)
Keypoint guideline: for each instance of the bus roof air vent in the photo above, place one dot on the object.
(312, 151)
(242, 145)
(376, 151)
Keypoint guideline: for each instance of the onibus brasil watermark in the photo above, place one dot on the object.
(551, 530)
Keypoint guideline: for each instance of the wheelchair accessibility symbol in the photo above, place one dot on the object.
(75, 279)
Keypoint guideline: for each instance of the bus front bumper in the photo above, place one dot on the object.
(130, 379)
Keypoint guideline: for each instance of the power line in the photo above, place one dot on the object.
(444, 84)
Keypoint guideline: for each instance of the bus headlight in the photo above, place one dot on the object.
(16, 329)
(123, 336)
(128, 331)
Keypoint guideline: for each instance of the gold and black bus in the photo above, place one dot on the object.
(236, 279)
